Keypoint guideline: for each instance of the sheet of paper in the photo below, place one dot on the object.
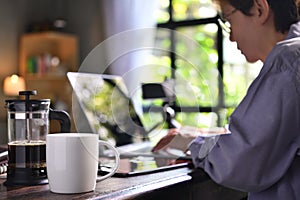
(204, 132)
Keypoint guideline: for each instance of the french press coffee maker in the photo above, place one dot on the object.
(28, 125)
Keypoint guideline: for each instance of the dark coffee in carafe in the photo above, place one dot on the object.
(27, 155)
(27, 159)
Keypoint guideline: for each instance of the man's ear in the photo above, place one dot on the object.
(261, 10)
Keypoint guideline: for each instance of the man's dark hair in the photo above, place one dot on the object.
(286, 12)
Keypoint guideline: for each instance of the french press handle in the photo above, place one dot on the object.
(63, 118)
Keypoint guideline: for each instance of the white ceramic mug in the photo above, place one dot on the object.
(72, 162)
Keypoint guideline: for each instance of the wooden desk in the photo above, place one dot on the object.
(177, 184)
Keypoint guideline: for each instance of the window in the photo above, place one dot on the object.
(209, 81)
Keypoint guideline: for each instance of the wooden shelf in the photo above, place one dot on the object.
(64, 46)
(32, 77)
(51, 82)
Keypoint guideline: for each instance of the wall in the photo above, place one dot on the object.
(84, 18)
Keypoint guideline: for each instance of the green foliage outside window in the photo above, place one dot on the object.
(196, 68)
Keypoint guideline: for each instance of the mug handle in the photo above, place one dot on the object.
(117, 159)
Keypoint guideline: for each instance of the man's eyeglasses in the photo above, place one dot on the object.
(224, 22)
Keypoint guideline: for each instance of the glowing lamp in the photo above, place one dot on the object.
(13, 84)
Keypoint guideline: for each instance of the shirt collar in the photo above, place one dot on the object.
(294, 31)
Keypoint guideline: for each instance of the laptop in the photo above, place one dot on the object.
(101, 104)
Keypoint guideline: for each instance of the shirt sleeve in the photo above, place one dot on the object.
(263, 141)
(201, 146)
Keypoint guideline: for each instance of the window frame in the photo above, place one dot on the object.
(173, 25)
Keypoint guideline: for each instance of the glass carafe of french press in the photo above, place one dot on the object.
(28, 125)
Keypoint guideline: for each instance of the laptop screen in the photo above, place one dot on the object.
(106, 108)
(101, 105)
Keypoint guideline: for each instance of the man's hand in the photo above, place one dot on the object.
(174, 139)
(181, 138)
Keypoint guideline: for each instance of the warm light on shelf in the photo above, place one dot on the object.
(13, 84)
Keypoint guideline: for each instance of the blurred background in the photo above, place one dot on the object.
(185, 46)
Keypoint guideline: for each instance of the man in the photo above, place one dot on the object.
(261, 155)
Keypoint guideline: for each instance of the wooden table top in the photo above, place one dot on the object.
(111, 188)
